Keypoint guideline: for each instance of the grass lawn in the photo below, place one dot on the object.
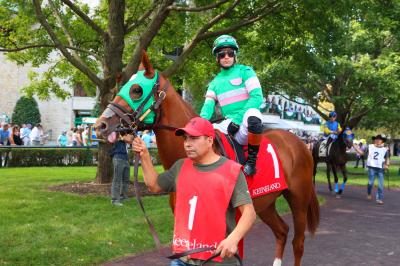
(42, 227)
(359, 176)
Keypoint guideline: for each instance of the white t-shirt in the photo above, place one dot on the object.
(376, 156)
(36, 134)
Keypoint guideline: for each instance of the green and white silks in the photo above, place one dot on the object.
(236, 89)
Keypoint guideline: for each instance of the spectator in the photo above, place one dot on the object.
(25, 134)
(14, 138)
(146, 137)
(62, 140)
(36, 135)
(120, 182)
(76, 137)
(4, 134)
(85, 137)
(359, 156)
(79, 136)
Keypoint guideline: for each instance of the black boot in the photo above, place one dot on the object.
(249, 168)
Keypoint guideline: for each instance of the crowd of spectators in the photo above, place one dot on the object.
(19, 135)
(290, 110)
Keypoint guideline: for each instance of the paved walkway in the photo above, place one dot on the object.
(352, 231)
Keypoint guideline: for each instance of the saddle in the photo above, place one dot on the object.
(269, 176)
(324, 148)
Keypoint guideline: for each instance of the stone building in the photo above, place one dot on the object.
(56, 114)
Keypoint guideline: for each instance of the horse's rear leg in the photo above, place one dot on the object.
(299, 206)
(279, 228)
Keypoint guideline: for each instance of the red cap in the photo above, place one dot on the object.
(197, 126)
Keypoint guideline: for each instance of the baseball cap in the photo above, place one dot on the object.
(196, 127)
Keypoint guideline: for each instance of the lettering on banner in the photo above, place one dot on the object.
(266, 189)
(180, 242)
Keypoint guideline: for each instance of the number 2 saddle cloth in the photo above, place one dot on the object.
(269, 176)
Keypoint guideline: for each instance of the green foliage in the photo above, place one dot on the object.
(343, 52)
(26, 111)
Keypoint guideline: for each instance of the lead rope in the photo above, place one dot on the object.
(139, 200)
(198, 250)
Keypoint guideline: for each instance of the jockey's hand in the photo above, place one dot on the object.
(228, 248)
(138, 145)
(233, 128)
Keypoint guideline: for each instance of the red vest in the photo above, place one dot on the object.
(202, 199)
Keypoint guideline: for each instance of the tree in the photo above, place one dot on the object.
(93, 49)
(26, 111)
(343, 52)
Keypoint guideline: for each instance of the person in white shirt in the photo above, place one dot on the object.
(36, 135)
(377, 162)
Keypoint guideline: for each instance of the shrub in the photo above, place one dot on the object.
(26, 111)
(49, 156)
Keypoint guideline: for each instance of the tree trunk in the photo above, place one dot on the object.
(104, 164)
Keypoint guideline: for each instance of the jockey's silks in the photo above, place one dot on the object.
(236, 89)
(331, 126)
(202, 199)
(147, 85)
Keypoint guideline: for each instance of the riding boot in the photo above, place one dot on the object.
(254, 141)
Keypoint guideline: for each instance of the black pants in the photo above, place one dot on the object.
(362, 160)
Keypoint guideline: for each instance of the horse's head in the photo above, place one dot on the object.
(134, 105)
(348, 137)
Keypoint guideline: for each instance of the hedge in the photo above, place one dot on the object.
(49, 156)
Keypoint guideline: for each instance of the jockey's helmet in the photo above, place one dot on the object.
(332, 114)
(224, 41)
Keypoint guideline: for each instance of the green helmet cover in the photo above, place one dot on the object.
(147, 85)
(224, 41)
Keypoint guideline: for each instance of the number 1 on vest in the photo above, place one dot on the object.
(192, 203)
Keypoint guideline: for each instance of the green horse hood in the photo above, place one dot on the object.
(147, 85)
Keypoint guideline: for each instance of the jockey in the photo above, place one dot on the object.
(238, 91)
(332, 128)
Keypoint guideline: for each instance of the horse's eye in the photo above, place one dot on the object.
(136, 92)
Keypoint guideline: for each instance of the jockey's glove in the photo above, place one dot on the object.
(233, 128)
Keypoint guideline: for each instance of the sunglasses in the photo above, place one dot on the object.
(222, 54)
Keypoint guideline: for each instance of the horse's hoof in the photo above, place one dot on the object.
(340, 191)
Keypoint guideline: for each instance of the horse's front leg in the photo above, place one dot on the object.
(334, 171)
(343, 169)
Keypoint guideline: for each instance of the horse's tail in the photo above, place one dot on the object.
(313, 213)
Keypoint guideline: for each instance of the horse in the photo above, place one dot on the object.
(335, 158)
(174, 112)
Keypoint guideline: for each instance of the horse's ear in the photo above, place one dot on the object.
(149, 70)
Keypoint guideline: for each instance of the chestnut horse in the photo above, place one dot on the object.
(174, 112)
